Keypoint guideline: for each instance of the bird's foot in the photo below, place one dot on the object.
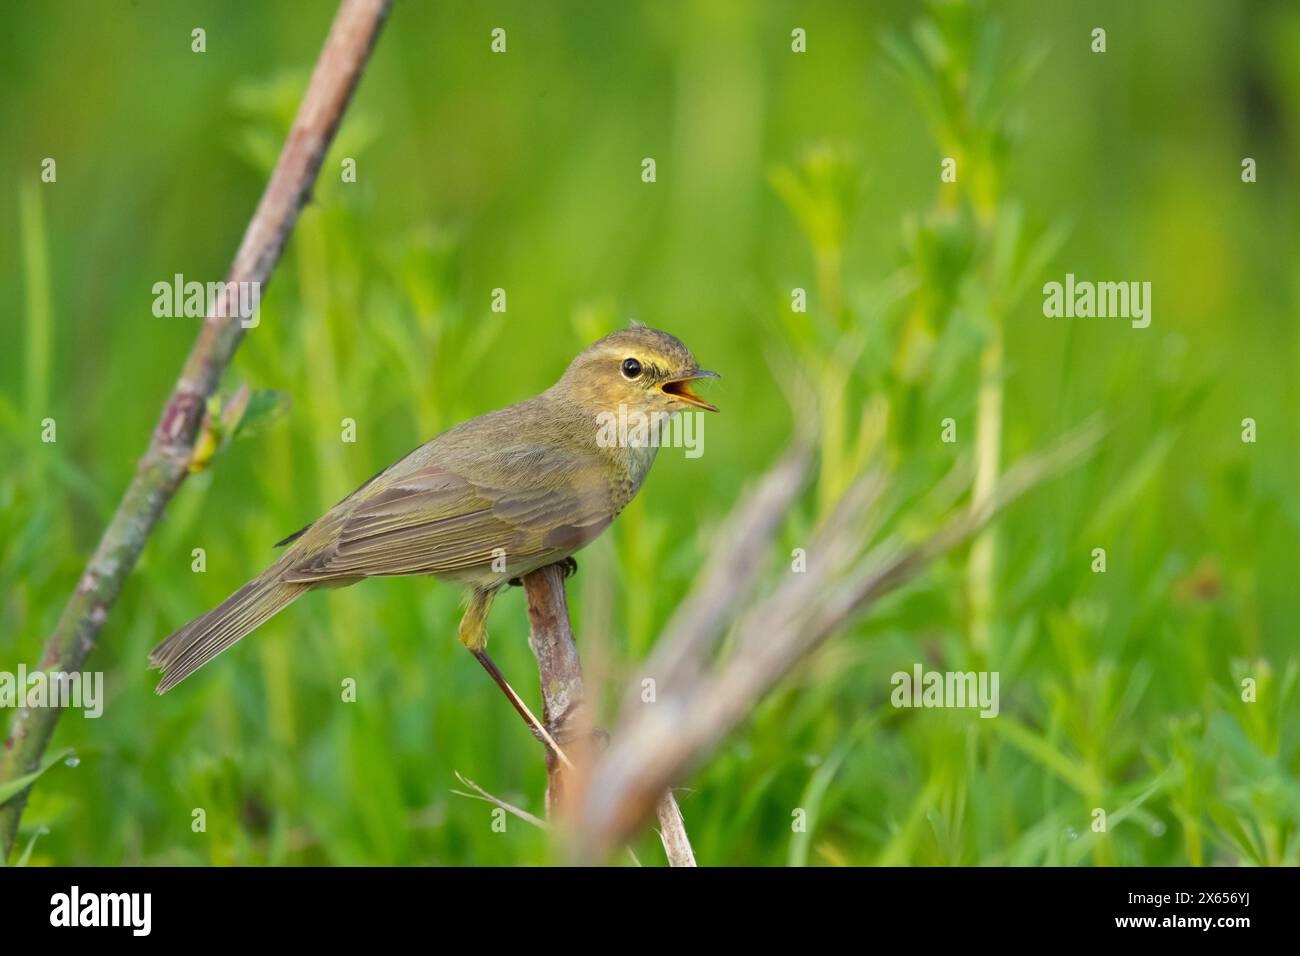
(568, 568)
(573, 730)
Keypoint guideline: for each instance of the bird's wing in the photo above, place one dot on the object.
(431, 520)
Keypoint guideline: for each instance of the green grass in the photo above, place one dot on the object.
(1120, 691)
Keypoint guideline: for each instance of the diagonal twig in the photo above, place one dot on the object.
(165, 463)
(481, 794)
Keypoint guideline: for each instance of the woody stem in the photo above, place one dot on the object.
(165, 463)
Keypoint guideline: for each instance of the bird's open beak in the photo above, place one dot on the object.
(680, 389)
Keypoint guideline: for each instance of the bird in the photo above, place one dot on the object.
(480, 505)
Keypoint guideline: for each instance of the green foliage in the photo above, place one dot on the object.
(1120, 691)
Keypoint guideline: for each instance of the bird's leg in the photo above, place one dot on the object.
(473, 634)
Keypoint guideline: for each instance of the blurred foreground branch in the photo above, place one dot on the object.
(703, 691)
(165, 464)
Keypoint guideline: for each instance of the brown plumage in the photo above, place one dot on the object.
(527, 486)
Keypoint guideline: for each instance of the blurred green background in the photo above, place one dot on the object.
(775, 170)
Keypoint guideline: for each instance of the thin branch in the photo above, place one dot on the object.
(565, 712)
(481, 794)
(164, 465)
(550, 634)
(672, 831)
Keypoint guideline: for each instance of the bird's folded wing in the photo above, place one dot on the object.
(432, 521)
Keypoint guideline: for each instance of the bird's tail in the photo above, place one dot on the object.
(238, 615)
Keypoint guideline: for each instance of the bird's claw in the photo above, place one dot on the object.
(568, 568)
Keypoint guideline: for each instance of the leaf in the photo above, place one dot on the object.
(815, 792)
(11, 788)
(31, 845)
(243, 413)
(263, 407)
(1077, 775)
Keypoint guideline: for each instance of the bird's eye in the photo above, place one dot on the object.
(631, 367)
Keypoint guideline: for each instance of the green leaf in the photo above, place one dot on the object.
(1077, 775)
(815, 792)
(263, 407)
(31, 845)
(11, 788)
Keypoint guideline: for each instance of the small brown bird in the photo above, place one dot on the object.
(486, 502)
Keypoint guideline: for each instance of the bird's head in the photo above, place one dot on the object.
(642, 368)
